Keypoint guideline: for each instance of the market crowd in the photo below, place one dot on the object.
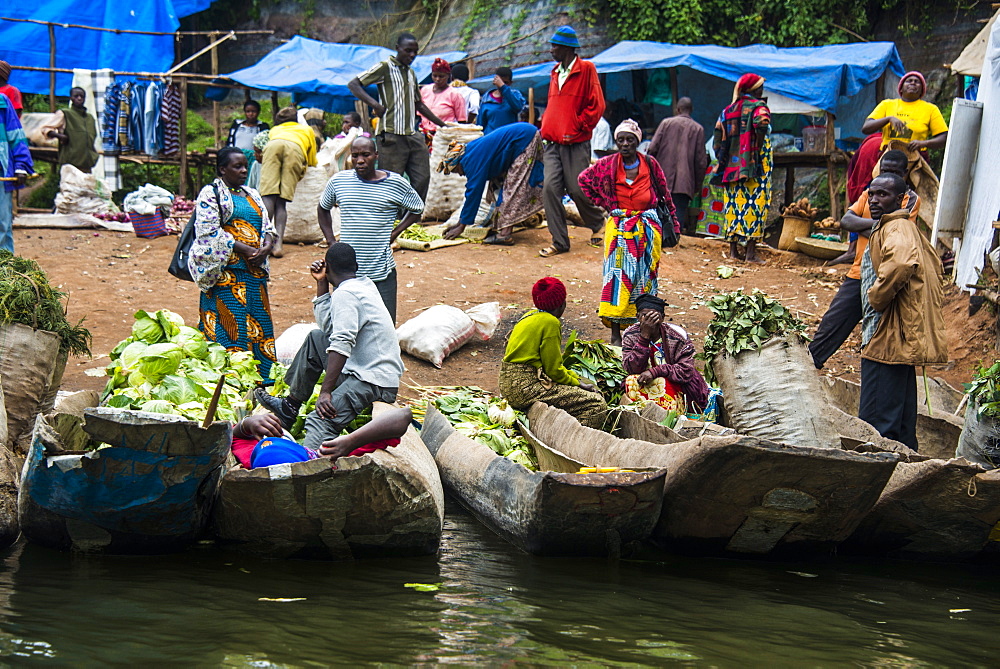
(635, 194)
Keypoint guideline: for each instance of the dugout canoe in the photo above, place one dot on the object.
(545, 512)
(150, 490)
(932, 509)
(383, 504)
(734, 495)
(937, 431)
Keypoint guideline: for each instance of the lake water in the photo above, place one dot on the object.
(493, 605)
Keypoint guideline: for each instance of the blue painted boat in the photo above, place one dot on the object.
(150, 489)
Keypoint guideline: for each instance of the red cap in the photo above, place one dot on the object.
(548, 293)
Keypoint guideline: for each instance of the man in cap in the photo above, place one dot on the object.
(576, 103)
(401, 147)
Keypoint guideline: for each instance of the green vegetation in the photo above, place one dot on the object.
(985, 390)
(598, 362)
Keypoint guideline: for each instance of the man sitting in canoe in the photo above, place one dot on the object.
(356, 345)
(532, 369)
(652, 350)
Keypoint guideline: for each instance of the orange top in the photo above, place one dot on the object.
(637, 196)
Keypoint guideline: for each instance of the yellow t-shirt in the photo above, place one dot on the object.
(923, 120)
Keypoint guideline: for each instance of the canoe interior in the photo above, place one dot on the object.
(383, 504)
(150, 491)
(736, 494)
(545, 513)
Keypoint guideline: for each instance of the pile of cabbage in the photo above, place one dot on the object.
(488, 420)
(168, 367)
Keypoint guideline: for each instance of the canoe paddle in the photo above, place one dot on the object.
(214, 404)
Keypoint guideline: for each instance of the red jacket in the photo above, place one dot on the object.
(573, 112)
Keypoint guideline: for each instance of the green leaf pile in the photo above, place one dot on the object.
(985, 390)
(744, 322)
(27, 298)
(167, 367)
(488, 420)
(598, 362)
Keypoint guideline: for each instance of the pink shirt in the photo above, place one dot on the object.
(448, 105)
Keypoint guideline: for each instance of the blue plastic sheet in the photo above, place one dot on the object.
(27, 44)
(317, 73)
(818, 76)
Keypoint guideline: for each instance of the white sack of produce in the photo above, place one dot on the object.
(447, 192)
(302, 226)
(148, 199)
(37, 126)
(442, 329)
(288, 343)
(81, 193)
(482, 215)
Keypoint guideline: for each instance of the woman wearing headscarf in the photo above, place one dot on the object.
(909, 118)
(659, 359)
(743, 148)
(507, 165)
(228, 261)
(532, 369)
(441, 99)
(290, 148)
(629, 186)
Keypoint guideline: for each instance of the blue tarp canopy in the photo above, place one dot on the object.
(27, 44)
(817, 76)
(317, 73)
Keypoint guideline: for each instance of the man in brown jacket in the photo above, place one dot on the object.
(903, 326)
(679, 146)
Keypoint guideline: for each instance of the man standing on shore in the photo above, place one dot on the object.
(903, 327)
(576, 103)
(401, 147)
(679, 146)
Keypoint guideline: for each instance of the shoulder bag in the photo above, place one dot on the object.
(179, 263)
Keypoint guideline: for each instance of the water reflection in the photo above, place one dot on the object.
(493, 604)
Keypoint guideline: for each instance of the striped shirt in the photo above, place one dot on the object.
(399, 92)
(368, 213)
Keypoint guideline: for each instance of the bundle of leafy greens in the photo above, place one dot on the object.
(985, 390)
(168, 367)
(488, 420)
(27, 298)
(744, 322)
(598, 362)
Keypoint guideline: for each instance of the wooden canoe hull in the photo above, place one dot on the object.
(545, 513)
(933, 510)
(736, 495)
(383, 504)
(151, 491)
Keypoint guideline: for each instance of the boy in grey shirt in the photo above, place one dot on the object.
(356, 345)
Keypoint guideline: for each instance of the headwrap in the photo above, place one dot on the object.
(4, 69)
(260, 141)
(441, 65)
(565, 36)
(548, 293)
(923, 82)
(748, 82)
(649, 301)
(453, 158)
(631, 127)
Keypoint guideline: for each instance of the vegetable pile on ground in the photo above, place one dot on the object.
(743, 322)
(118, 216)
(168, 367)
(598, 362)
(801, 209)
(27, 298)
(481, 417)
(419, 233)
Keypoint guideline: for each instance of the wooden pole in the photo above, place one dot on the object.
(831, 169)
(52, 64)
(215, 73)
(274, 107)
(182, 137)
(673, 88)
(531, 105)
(366, 117)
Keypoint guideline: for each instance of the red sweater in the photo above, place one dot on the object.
(573, 112)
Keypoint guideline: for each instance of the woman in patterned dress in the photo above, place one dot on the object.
(228, 261)
(743, 147)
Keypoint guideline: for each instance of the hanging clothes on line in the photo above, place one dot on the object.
(136, 117)
(152, 123)
(109, 119)
(124, 115)
(171, 115)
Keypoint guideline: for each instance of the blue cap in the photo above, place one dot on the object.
(278, 451)
(565, 36)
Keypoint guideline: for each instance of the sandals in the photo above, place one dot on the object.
(550, 251)
(597, 241)
(493, 240)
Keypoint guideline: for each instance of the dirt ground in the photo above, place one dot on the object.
(109, 275)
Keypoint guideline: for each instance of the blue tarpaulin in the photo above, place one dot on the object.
(818, 76)
(317, 73)
(27, 44)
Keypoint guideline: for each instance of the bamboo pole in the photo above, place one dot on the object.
(182, 137)
(52, 64)
(211, 47)
(215, 73)
(531, 105)
(673, 88)
(130, 32)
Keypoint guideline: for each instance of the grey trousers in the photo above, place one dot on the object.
(406, 154)
(563, 164)
(387, 291)
(350, 396)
